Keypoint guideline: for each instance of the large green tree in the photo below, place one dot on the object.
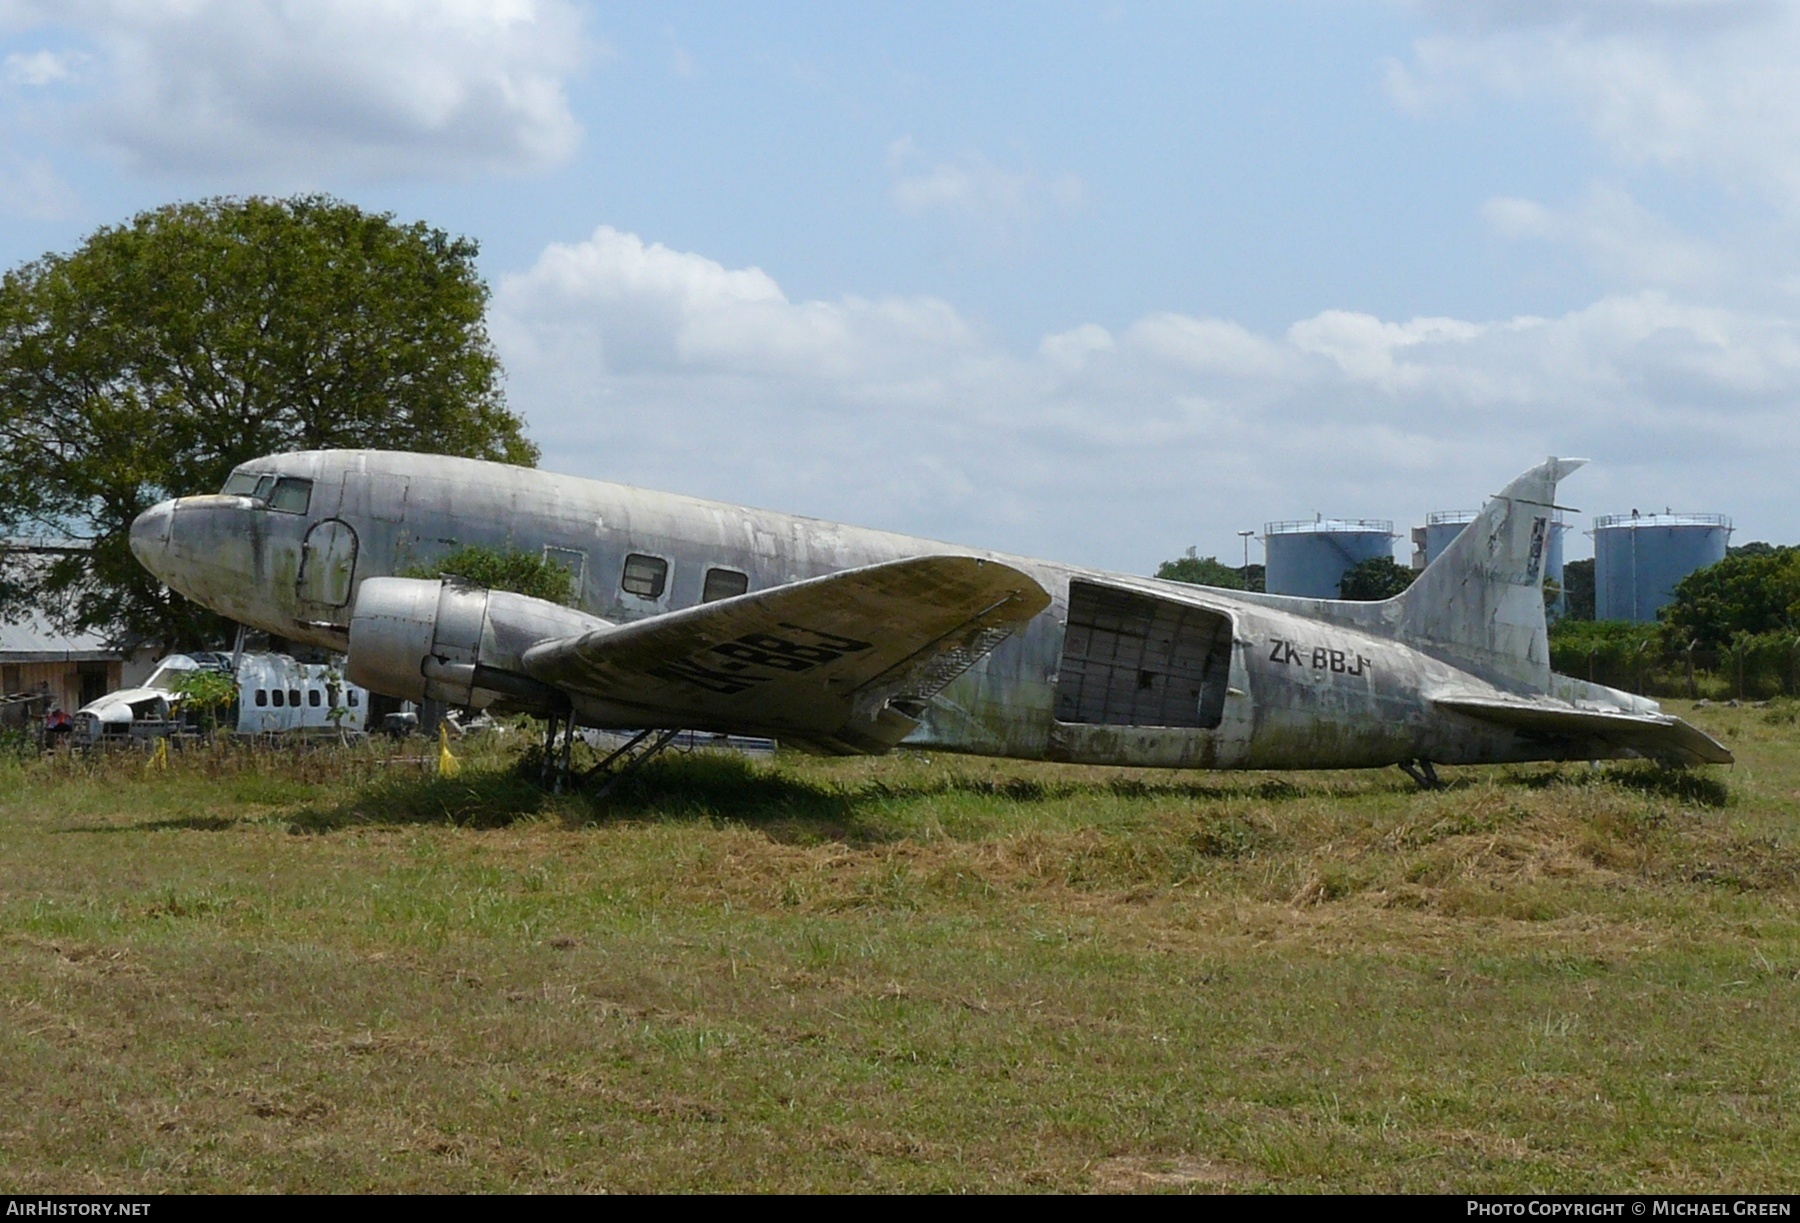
(1578, 589)
(1752, 592)
(163, 352)
(1370, 581)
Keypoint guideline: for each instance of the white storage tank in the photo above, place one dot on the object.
(1442, 526)
(1640, 558)
(1311, 558)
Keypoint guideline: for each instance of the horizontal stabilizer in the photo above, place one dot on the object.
(1655, 736)
(841, 663)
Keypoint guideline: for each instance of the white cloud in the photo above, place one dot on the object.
(371, 87)
(974, 187)
(1624, 241)
(39, 68)
(630, 308)
(1207, 346)
(1071, 350)
(1366, 349)
(665, 368)
(1701, 87)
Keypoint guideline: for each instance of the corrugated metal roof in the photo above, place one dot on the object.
(33, 641)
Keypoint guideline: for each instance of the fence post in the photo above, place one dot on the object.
(1693, 691)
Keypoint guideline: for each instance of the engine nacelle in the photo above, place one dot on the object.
(445, 640)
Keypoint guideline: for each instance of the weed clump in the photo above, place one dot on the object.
(473, 799)
(1231, 837)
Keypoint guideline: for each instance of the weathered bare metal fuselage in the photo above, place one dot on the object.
(1294, 683)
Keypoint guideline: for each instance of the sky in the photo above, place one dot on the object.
(1095, 282)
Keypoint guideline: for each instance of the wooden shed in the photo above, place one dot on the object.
(42, 669)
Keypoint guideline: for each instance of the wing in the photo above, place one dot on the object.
(1657, 736)
(839, 663)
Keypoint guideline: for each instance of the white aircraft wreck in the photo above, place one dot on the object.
(698, 615)
(275, 695)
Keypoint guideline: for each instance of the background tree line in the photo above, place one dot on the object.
(1733, 629)
(1378, 578)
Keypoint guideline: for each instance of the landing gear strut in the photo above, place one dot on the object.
(557, 773)
(554, 775)
(638, 751)
(1422, 772)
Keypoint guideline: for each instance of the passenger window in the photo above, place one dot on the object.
(280, 700)
(262, 696)
(350, 698)
(723, 584)
(294, 697)
(291, 496)
(645, 576)
(312, 697)
(241, 484)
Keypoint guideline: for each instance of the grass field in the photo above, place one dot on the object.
(322, 971)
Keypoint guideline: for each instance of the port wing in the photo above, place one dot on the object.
(838, 663)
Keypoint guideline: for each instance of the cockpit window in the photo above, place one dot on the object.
(291, 496)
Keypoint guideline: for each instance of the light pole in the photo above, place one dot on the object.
(1245, 571)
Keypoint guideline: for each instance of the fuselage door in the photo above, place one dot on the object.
(327, 564)
(1130, 659)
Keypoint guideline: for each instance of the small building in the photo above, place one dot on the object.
(42, 669)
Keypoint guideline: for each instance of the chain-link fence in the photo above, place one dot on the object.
(1752, 667)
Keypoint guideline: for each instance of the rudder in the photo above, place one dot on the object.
(1481, 602)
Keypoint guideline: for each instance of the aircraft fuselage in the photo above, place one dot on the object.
(1119, 669)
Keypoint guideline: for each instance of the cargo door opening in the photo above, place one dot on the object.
(1132, 659)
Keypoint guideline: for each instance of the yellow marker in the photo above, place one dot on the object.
(448, 765)
(159, 759)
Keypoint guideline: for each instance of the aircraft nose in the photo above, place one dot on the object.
(150, 535)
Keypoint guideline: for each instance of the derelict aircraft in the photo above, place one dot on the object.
(698, 615)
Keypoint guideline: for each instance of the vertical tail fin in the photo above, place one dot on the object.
(1481, 602)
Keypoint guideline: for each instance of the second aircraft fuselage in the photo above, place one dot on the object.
(1118, 670)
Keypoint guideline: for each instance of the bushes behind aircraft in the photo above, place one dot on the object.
(1733, 629)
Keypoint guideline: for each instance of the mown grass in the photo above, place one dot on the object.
(324, 971)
